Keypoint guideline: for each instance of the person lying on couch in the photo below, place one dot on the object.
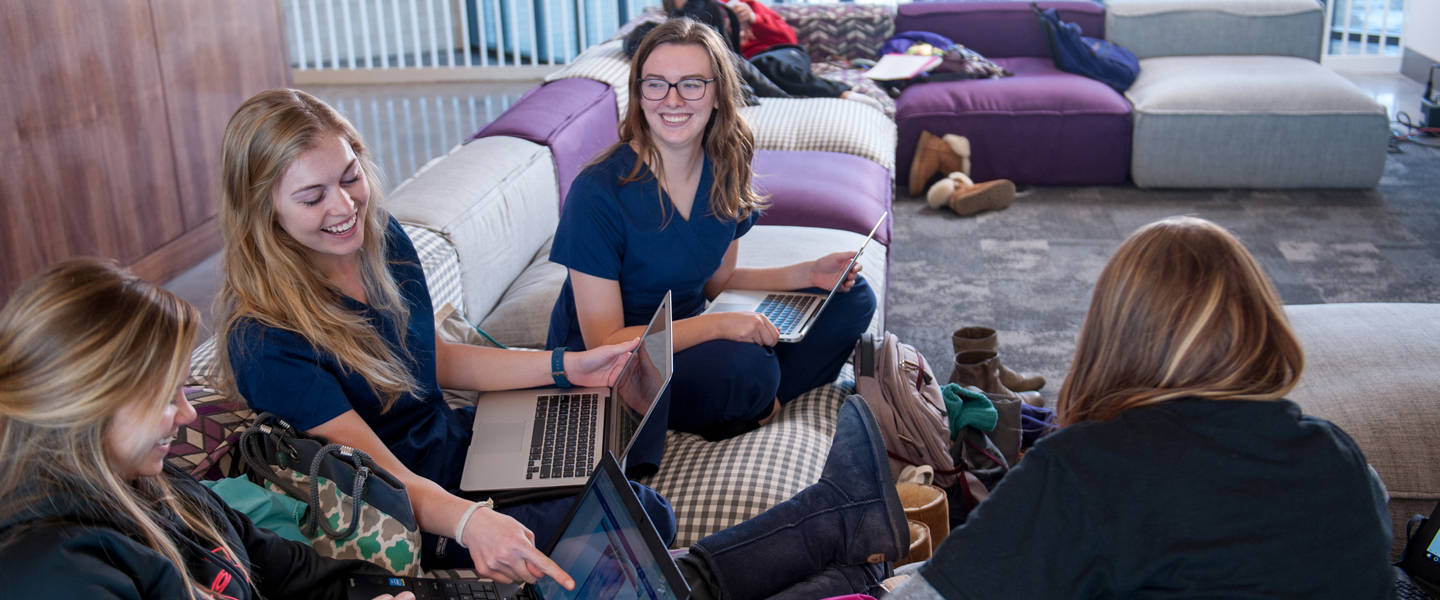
(663, 211)
(327, 322)
(1179, 471)
(769, 45)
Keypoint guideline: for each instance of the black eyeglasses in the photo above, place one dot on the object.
(689, 89)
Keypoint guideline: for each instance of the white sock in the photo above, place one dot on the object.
(863, 99)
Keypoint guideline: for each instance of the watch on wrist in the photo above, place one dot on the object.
(557, 367)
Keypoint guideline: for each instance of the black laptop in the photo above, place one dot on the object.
(1417, 575)
(607, 543)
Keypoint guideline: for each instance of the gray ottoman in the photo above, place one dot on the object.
(1374, 370)
(1253, 122)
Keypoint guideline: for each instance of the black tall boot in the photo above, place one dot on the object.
(851, 516)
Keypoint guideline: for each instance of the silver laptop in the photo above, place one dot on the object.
(792, 312)
(553, 437)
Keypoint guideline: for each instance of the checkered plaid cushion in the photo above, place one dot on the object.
(203, 446)
(714, 485)
(441, 264)
(826, 125)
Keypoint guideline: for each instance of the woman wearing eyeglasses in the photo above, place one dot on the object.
(664, 210)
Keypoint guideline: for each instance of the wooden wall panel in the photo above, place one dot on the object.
(87, 159)
(213, 56)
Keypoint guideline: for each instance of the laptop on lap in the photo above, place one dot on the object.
(791, 312)
(552, 437)
(606, 543)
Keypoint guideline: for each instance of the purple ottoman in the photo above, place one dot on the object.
(824, 189)
(575, 118)
(1043, 126)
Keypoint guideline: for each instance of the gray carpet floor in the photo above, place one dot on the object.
(1028, 271)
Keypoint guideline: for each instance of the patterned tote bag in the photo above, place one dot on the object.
(357, 509)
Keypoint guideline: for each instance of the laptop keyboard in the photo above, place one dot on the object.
(1405, 590)
(563, 441)
(786, 310)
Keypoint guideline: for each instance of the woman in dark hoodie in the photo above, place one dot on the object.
(91, 362)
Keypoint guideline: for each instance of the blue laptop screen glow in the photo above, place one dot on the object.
(602, 549)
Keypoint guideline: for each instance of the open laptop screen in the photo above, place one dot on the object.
(644, 378)
(605, 550)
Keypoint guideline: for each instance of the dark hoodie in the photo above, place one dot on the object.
(1187, 499)
(67, 548)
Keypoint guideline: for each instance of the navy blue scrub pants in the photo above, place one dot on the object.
(721, 381)
(542, 518)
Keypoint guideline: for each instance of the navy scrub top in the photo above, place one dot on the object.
(625, 233)
(279, 371)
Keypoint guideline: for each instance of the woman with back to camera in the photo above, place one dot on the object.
(320, 283)
(664, 210)
(91, 362)
(1179, 471)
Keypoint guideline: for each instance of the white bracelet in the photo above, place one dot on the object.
(465, 518)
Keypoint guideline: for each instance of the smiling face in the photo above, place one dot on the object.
(138, 438)
(674, 122)
(321, 201)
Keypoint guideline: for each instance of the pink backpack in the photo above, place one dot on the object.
(903, 393)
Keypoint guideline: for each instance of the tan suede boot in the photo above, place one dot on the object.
(966, 197)
(937, 155)
(985, 338)
(981, 369)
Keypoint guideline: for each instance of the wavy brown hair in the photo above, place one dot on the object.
(1181, 311)
(78, 342)
(728, 141)
(268, 275)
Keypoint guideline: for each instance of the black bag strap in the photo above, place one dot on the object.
(865, 356)
(357, 458)
(252, 449)
(1047, 29)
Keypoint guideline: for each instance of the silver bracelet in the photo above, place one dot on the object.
(465, 518)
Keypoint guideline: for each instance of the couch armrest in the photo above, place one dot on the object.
(997, 29)
(1151, 28)
(495, 199)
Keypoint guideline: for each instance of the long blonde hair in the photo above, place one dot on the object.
(78, 342)
(268, 277)
(728, 140)
(1181, 310)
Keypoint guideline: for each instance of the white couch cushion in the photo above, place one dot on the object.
(495, 199)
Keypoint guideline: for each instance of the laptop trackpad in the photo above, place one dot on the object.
(498, 438)
(727, 307)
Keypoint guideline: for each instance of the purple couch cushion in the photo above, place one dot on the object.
(823, 189)
(997, 29)
(1043, 126)
(575, 118)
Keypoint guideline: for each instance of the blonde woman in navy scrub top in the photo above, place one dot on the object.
(664, 210)
(326, 321)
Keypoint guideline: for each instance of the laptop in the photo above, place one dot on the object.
(791, 312)
(606, 543)
(551, 437)
(1417, 575)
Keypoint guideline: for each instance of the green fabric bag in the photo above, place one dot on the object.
(267, 509)
(357, 509)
